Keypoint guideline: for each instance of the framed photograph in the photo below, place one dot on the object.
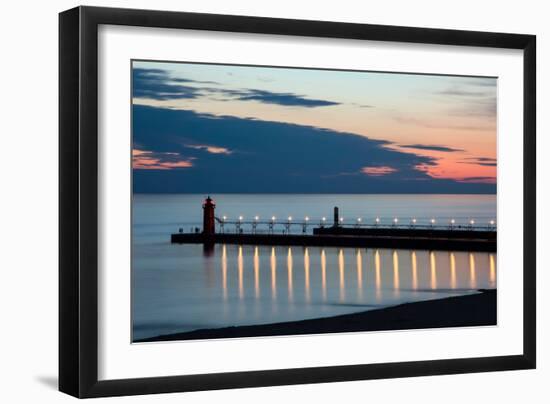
(251, 201)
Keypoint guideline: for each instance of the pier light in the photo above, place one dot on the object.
(222, 224)
(273, 218)
(414, 220)
(306, 218)
(255, 223)
(453, 221)
(432, 221)
(287, 225)
(238, 225)
(341, 219)
(492, 222)
(395, 220)
(472, 222)
(359, 219)
(324, 219)
(377, 220)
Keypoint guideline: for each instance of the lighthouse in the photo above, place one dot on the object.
(208, 222)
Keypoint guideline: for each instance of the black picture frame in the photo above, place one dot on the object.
(78, 201)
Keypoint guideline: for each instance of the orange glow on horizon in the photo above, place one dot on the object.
(458, 165)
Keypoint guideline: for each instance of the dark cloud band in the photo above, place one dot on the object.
(157, 84)
(275, 157)
(431, 147)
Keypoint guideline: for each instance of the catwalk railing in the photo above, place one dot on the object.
(292, 226)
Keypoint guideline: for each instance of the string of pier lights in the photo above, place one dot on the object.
(358, 223)
(432, 222)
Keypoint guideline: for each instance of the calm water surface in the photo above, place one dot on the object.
(177, 288)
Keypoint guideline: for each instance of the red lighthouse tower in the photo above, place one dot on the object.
(208, 222)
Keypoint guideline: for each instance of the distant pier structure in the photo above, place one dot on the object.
(432, 236)
(336, 217)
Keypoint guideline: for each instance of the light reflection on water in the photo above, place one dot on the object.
(452, 264)
(395, 273)
(264, 284)
(433, 271)
(414, 271)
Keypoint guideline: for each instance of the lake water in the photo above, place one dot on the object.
(178, 288)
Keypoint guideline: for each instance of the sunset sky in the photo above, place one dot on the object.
(224, 128)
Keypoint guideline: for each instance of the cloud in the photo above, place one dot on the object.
(473, 88)
(210, 149)
(285, 99)
(430, 147)
(158, 84)
(477, 180)
(378, 171)
(429, 125)
(456, 91)
(184, 80)
(273, 157)
(479, 82)
(483, 108)
(481, 161)
(486, 159)
(477, 96)
(425, 167)
(149, 160)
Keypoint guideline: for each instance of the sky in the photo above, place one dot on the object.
(207, 128)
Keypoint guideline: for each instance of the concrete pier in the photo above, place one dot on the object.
(382, 238)
(413, 232)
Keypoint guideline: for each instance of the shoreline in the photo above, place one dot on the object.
(479, 309)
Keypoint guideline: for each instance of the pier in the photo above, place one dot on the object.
(434, 235)
(366, 241)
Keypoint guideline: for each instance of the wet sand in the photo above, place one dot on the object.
(479, 309)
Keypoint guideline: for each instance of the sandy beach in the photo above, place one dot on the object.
(470, 310)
